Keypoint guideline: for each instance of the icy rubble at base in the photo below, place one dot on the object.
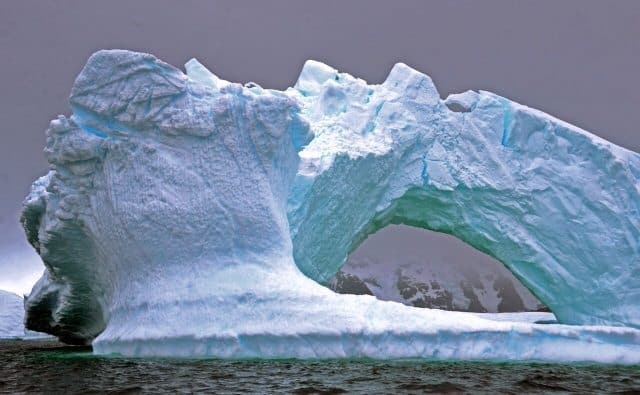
(188, 216)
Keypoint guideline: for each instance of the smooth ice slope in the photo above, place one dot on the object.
(176, 204)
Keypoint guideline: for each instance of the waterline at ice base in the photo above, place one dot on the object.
(184, 215)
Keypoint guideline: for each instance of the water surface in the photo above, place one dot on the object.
(45, 366)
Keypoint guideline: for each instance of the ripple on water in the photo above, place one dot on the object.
(40, 366)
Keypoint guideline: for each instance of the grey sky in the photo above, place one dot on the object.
(578, 60)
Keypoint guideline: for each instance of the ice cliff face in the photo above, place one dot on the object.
(155, 176)
(179, 208)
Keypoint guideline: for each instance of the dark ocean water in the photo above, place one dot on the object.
(48, 367)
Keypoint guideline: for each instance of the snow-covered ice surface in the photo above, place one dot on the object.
(188, 216)
(12, 317)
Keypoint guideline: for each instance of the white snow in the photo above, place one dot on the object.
(187, 216)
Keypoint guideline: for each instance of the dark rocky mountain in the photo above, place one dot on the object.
(443, 273)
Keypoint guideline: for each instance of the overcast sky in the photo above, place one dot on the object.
(578, 60)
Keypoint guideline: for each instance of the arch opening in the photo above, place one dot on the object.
(424, 268)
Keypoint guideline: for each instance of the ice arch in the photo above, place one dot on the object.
(176, 204)
(557, 205)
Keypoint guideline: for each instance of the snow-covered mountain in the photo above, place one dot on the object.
(389, 266)
(424, 285)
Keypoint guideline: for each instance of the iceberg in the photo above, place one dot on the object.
(184, 215)
(12, 316)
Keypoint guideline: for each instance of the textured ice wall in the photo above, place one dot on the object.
(167, 219)
(159, 186)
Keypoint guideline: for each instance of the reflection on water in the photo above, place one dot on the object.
(39, 366)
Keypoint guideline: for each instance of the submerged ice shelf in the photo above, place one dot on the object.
(185, 215)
